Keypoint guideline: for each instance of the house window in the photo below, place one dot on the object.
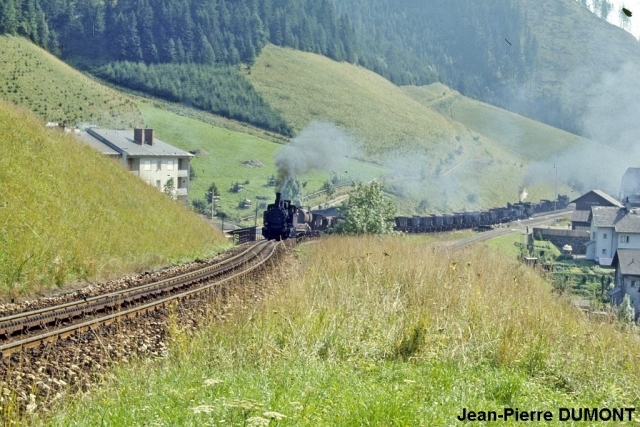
(169, 165)
(159, 185)
(624, 239)
(159, 165)
(146, 164)
(604, 235)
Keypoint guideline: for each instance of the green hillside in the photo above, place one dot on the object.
(68, 213)
(37, 80)
(238, 157)
(438, 160)
(525, 137)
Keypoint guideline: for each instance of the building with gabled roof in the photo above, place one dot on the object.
(612, 228)
(580, 219)
(145, 156)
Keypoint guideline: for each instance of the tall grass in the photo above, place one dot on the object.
(367, 331)
(69, 213)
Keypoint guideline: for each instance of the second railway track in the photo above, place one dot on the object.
(33, 328)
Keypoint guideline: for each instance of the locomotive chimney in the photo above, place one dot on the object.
(148, 136)
(278, 199)
(137, 135)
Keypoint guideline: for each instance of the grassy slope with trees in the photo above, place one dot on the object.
(35, 79)
(378, 331)
(68, 213)
(225, 162)
(435, 162)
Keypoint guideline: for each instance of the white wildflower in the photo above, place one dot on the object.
(202, 409)
(32, 403)
(209, 382)
(257, 422)
(275, 415)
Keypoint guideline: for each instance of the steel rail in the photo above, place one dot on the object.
(94, 324)
(20, 322)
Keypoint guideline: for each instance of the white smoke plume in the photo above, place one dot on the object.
(612, 123)
(523, 194)
(320, 146)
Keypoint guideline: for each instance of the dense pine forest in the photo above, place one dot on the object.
(110, 37)
(485, 50)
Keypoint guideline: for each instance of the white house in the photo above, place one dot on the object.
(612, 228)
(145, 156)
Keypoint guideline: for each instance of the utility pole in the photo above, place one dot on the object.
(555, 202)
(214, 199)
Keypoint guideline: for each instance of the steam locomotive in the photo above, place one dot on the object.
(283, 220)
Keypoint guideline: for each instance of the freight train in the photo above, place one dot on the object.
(283, 220)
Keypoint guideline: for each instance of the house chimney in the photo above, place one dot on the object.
(137, 136)
(148, 136)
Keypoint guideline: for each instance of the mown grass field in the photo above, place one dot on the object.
(67, 213)
(525, 137)
(370, 331)
(224, 165)
(37, 80)
(307, 87)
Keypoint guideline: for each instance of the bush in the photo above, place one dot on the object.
(367, 212)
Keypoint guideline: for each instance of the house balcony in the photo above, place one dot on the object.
(182, 191)
(183, 173)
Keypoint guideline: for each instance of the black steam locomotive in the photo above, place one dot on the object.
(284, 220)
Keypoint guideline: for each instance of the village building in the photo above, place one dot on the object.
(582, 212)
(627, 264)
(154, 161)
(612, 228)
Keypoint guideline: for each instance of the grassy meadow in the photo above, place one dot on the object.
(525, 137)
(68, 213)
(228, 154)
(37, 80)
(371, 331)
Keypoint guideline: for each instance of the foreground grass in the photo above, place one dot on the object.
(69, 213)
(368, 331)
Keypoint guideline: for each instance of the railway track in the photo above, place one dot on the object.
(513, 227)
(34, 328)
